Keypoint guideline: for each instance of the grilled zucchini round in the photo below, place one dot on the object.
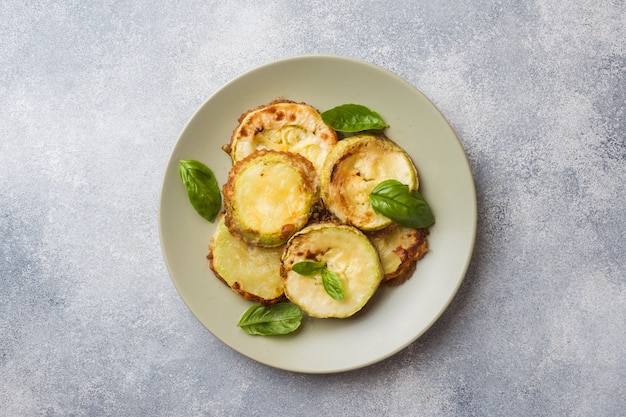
(353, 168)
(269, 196)
(252, 272)
(346, 252)
(399, 249)
(284, 126)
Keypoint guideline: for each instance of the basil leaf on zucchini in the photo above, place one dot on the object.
(405, 207)
(275, 319)
(202, 188)
(308, 268)
(353, 118)
(331, 281)
(333, 285)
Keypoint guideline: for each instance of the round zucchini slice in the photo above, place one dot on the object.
(269, 196)
(399, 249)
(346, 252)
(284, 126)
(353, 168)
(252, 272)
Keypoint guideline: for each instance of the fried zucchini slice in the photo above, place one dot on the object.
(252, 272)
(269, 196)
(284, 126)
(399, 249)
(345, 251)
(353, 168)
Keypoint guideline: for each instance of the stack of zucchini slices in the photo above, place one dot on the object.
(296, 194)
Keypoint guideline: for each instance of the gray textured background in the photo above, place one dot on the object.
(93, 97)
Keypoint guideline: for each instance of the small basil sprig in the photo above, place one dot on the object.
(331, 281)
(353, 118)
(405, 207)
(202, 188)
(275, 319)
(308, 268)
(333, 285)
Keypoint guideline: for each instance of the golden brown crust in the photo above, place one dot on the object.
(262, 106)
(251, 297)
(409, 266)
(283, 125)
(236, 287)
(402, 275)
(408, 247)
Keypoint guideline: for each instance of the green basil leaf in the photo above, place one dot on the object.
(333, 285)
(407, 208)
(275, 319)
(353, 118)
(308, 268)
(202, 188)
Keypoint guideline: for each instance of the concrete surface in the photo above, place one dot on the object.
(93, 97)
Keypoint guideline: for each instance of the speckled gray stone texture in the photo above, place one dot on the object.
(93, 96)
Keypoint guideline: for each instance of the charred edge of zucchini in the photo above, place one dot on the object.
(408, 260)
(242, 130)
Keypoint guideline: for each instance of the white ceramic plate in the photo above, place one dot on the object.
(396, 316)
